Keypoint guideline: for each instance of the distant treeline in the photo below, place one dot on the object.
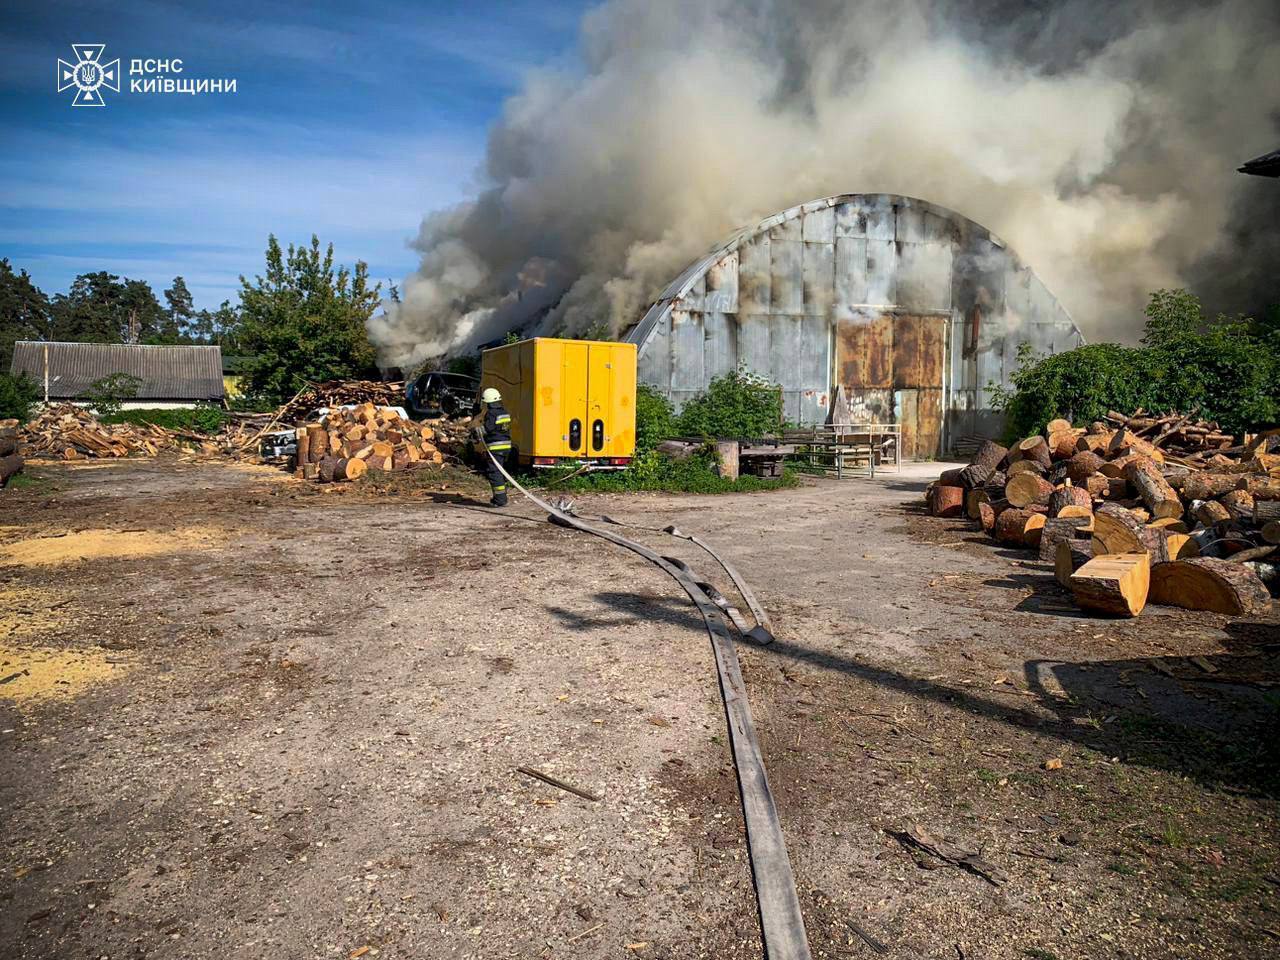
(302, 320)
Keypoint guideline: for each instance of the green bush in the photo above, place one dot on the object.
(17, 396)
(106, 394)
(197, 420)
(655, 419)
(1228, 370)
(737, 406)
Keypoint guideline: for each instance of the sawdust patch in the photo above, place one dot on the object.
(26, 612)
(106, 544)
(31, 675)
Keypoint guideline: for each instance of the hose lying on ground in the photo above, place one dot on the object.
(781, 922)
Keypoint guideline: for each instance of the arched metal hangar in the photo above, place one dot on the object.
(909, 308)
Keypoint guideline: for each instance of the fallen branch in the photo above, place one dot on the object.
(547, 778)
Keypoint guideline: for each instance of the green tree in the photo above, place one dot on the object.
(102, 308)
(1226, 369)
(304, 320)
(17, 396)
(24, 312)
(180, 317)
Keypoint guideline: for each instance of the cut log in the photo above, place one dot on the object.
(1114, 583)
(303, 438)
(1026, 466)
(1271, 531)
(1075, 510)
(1126, 441)
(1070, 496)
(1115, 468)
(1145, 477)
(317, 443)
(1239, 503)
(1070, 556)
(1027, 488)
(1263, 488)
(986, 516)
(974, 499)
(1093, 442)
(946, 501)
(1011, 526)
(1033, 529)
(1265, 510)
(1057, 529)
(1117, 530)
(1171, 524)
(1208, 486)
(950, 478)
(1117, 488)
(1210, 512)
(9, 466)
(1037, 449)
(1057, 426)
(1166, 544)
(1098, 486)
(982, 464)
(1083, 465)
(1062, 444)
(354, 469)
(328, 469)
(310, 471)
(1206, 583)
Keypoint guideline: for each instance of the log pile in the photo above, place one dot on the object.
(10, 460)
(1132, 509)
(68, 432)
(341, 393)
(349, 442)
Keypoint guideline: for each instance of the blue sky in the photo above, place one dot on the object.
(350, 120)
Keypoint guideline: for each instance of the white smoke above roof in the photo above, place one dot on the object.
(1101, 145)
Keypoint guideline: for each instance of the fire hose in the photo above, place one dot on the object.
(781, 922)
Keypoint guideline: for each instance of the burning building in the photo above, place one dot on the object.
(910, 309)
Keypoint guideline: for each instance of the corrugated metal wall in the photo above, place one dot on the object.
(912, 308)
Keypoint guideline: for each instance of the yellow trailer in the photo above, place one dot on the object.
(569, 400)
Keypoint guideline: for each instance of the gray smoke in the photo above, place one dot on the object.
(1101, 143)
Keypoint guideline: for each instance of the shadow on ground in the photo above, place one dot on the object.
(1214, 719)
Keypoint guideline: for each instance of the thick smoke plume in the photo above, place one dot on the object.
(1100, 140)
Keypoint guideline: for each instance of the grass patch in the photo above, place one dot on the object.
(653, 472)
(31, 482)
(197, 420)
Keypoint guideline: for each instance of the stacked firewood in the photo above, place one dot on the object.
(341, 393)
(10, 460)
(350, 441)
(1125, 519)
(68, 432)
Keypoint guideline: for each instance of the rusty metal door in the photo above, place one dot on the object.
(891, 369)
(919, 355)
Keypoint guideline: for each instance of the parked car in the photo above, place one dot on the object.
(439, 394)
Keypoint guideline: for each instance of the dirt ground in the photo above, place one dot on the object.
(243, 717)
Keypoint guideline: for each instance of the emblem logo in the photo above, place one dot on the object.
(88, 75)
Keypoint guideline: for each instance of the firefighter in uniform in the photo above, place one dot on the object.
(494, 423)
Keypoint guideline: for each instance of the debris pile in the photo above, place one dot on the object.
(69, 432)
(351, 441)
(10, 460)
(340, 393)
(1133, 509)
